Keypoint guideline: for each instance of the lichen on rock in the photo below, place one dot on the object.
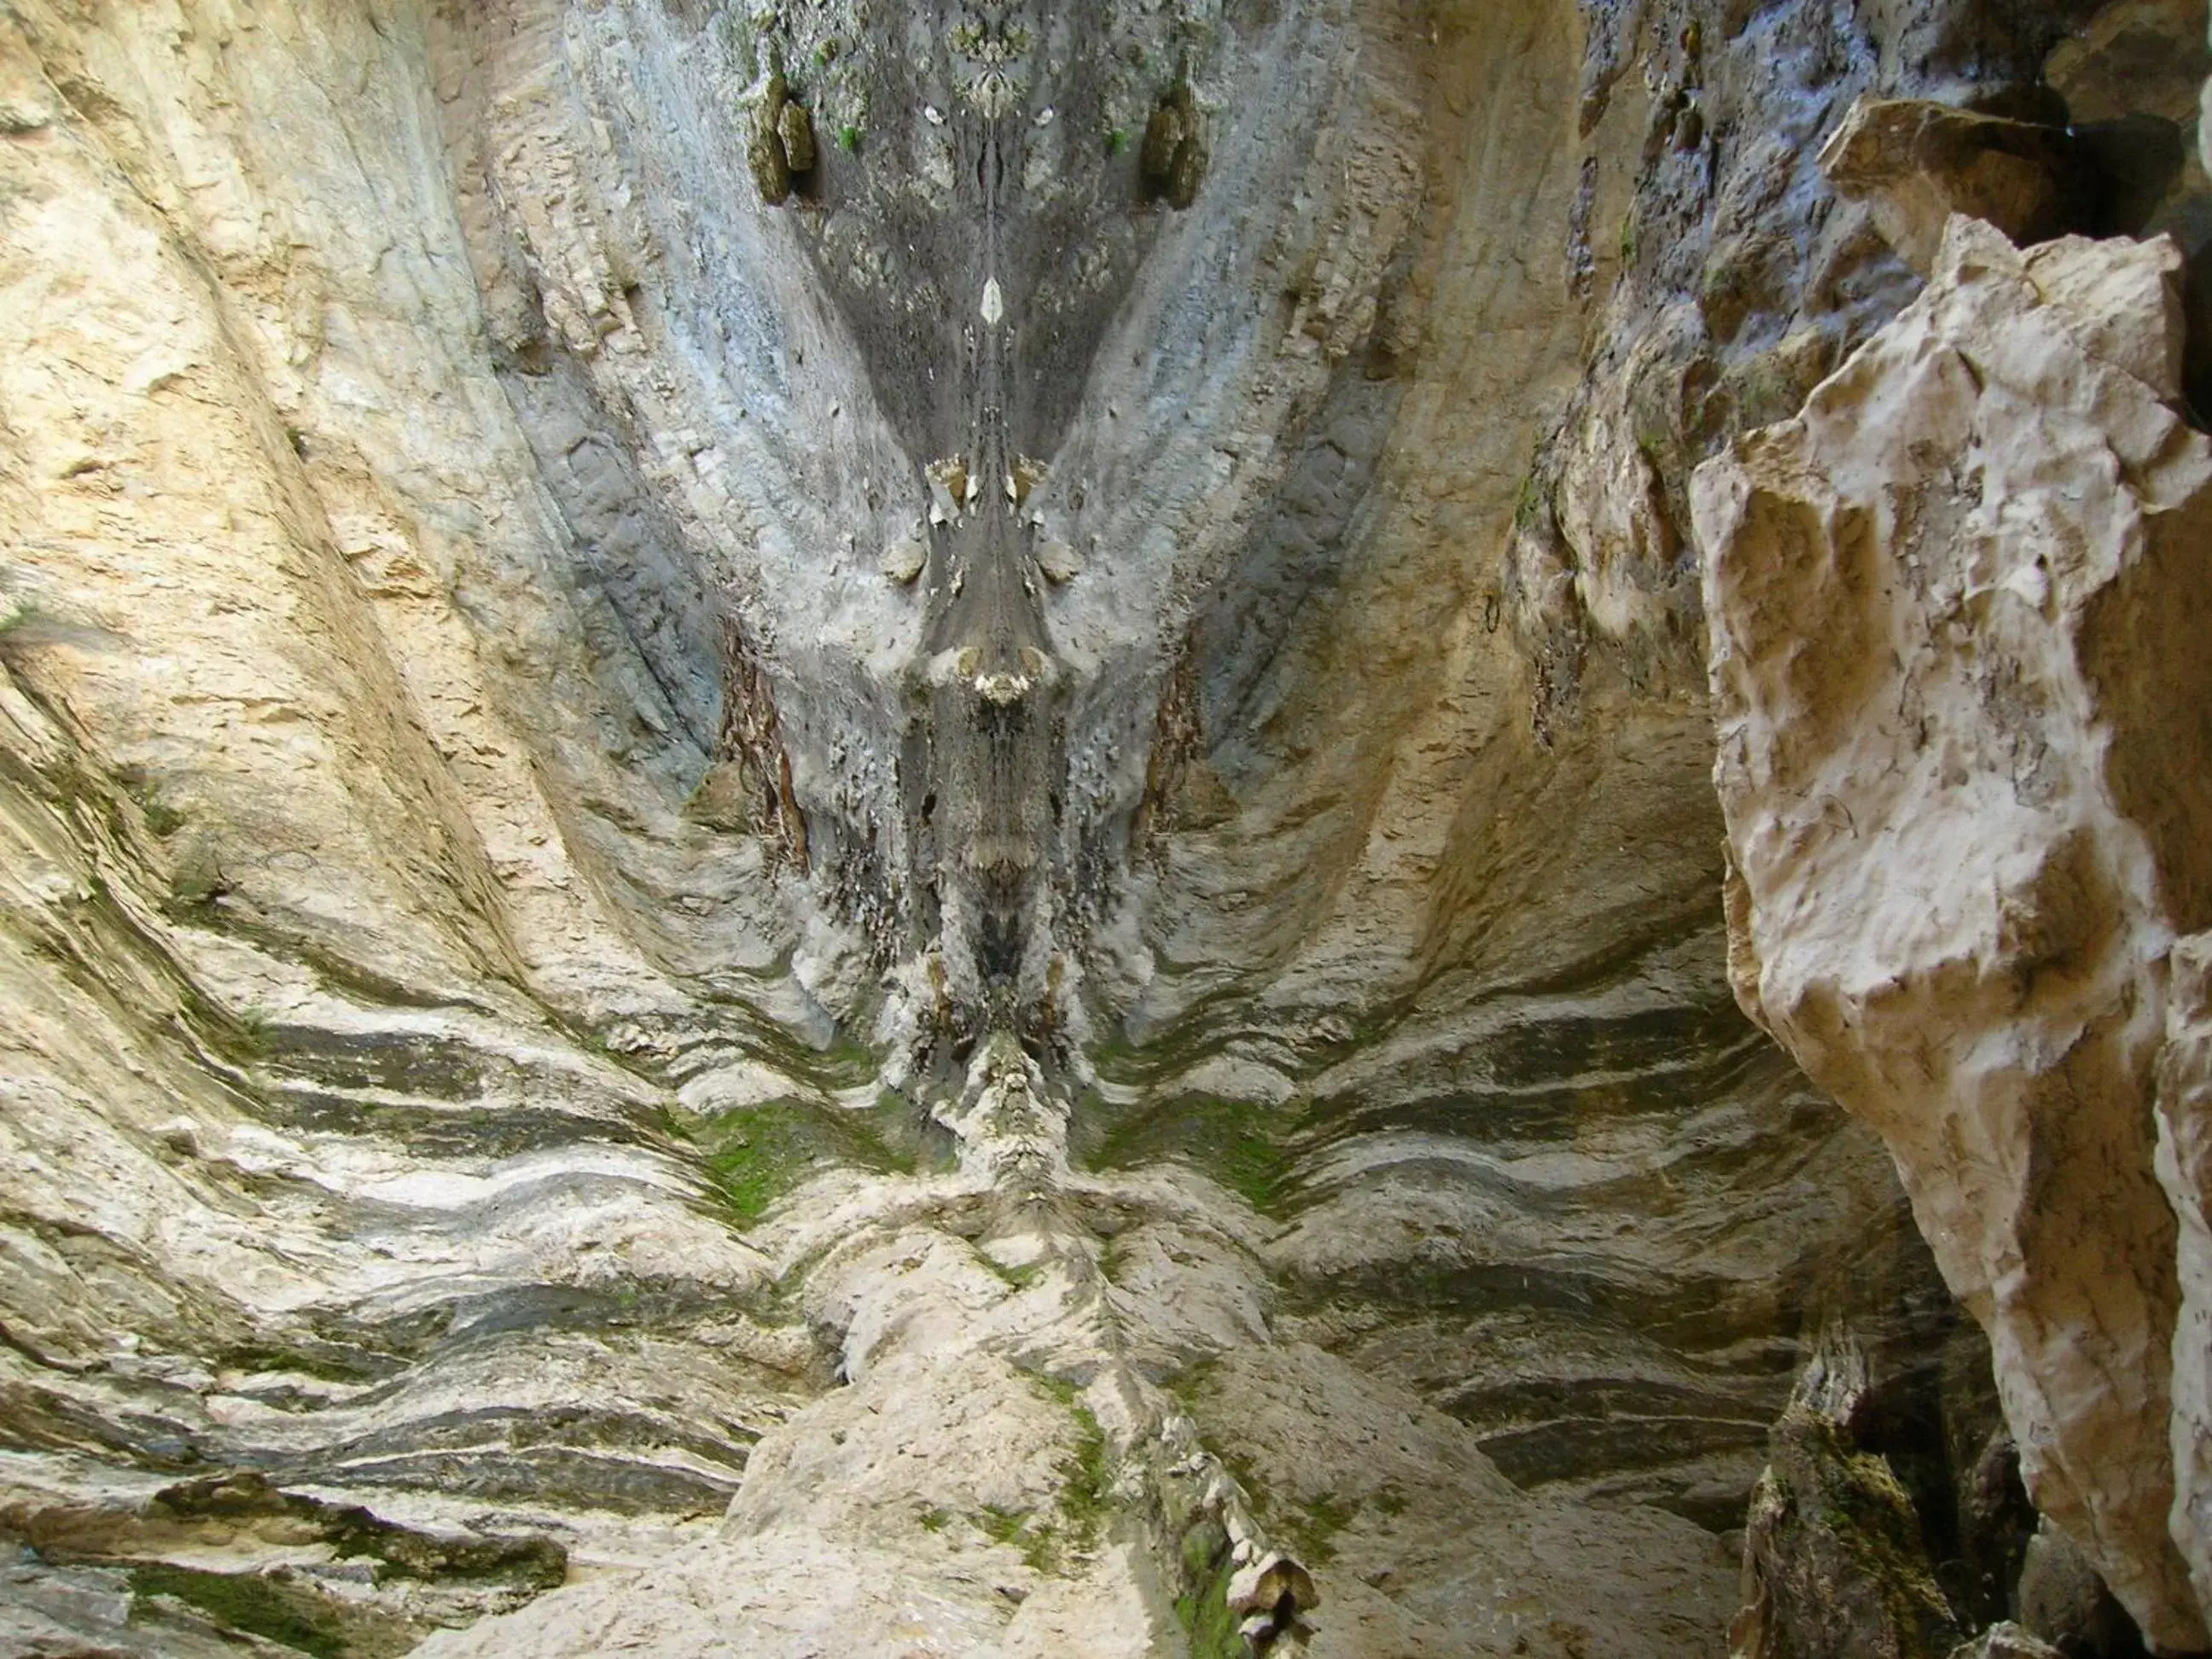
(1835, 1564)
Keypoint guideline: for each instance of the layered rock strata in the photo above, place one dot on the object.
(811, 804)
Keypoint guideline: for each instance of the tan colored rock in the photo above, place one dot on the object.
(1917, 163)
(1260, 1586)
(2185, 1168)
(796, 128)
(903, 560)
(1059, 562)
(2132, 57)
(765, 147)
(1164, 132)
(1957, 610)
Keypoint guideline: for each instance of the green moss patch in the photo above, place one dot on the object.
(757, 1154)
(287, 1614)
(1204, 1615)
(1086, 1478)
(1234, 1142)
(1050, 1541)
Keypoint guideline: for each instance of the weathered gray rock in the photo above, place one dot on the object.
(2062, 1601)
(554, 993)
(1835, 1563)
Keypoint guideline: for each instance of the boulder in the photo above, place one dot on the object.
(1915, 163)
(1957, 610)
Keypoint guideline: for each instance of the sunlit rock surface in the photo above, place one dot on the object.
(1955, 609)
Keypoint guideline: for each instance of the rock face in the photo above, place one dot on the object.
(898, 821)
(1918, 163)
(1957, 673)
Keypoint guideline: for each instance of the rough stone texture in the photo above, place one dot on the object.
(2131, 78)
(947, 1495)
(1835, 1564)
(638, 819)
(1956, 608)
(2060, 1598)
(2185, 1168)
(2005, 1640)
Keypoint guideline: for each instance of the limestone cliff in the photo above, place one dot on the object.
(892, 828)
(1956, 672)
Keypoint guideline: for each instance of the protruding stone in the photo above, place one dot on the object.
(1834, 1566)
(904, 560)
(2006, 1640)
(21, 113)
(1058, 562)
(948, 488)
(1958, 608)
(796, 128)
(1173, 158)
(764, 147)
(2125, 312)
(1915, 163)
(1187, 173)
(1002, 688)
(1163, 134)
(1261, 1585)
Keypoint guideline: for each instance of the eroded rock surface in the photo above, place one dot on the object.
(1835, 1559)
(1956, 608)
(1920, 162)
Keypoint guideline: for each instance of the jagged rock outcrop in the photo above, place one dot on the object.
(1957, 610)
(2006, 1640)
(1918, 163)
(1836, 1565)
